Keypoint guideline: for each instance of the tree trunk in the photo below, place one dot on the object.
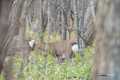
(40, 21)
(4, 42)
(49, 30)
(15, 15)
(23, 23)
(45, 15)
(81, 41)
(64, 20)
(89, 27)
(58, 19)
(76, 21)
(107, 53)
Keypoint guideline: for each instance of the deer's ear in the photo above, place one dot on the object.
(36, 41)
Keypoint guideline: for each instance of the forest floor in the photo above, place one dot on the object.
(79, 70)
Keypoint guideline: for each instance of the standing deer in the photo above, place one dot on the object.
(61, 50)
(15, 47)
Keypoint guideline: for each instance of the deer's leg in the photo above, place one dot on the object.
(70, 57)
(62, 58)
(73, 58)
(57, 60)
(32, 60)
(29, 57)
(27, 53)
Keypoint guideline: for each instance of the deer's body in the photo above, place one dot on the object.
(65, 49)
(16, 45)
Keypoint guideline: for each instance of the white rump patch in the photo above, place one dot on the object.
(75, 48)
(31, 43)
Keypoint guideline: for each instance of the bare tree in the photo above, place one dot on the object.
(9, 32)
(76, 21)
(40, 21)
(49, 30)
(45, 14)
(4, 31)
(89, 27)
(23, 23)
(58, 23)
(81, 41)
(64, 20)
(107, 53)
(15, 15)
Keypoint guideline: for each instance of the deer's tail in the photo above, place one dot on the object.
(31, 42)
(74, 47)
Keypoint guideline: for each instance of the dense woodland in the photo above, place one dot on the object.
(59, 40)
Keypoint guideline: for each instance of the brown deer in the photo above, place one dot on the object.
(62, 50)
(16, 44)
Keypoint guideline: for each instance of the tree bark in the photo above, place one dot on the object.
(4, 42)
(76, 21)
(58, 19)
(107, 52)
(90, 30)
(40, 21)
(23, 23)
(45, 15)
(64, 20)
(49, 30)
(15, 15)
(81, 41)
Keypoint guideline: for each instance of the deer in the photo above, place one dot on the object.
(15, 47)
(61, 50)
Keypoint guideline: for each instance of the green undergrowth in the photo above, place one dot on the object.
(54, 71)
(79, 70)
